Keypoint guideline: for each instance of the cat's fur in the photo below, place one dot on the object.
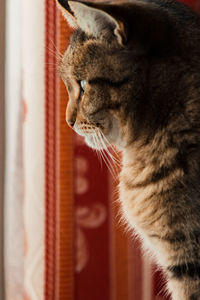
(141, 60)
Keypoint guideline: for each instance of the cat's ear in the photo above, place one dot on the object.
(93, 20)
(66, 11)
(146, 26)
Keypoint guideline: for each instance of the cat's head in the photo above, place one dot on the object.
(105, 67)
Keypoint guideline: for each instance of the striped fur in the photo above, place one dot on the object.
(141, 63)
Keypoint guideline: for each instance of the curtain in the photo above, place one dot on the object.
(2, 136)
(63, 238)
(24, 187)
(14, 180)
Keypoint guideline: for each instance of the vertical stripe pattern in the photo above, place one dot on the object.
(50, 152)
(65, 202)
(33, 147)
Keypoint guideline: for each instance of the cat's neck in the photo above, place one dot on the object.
(154, 153)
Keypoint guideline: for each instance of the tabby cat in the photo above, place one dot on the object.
(132, 71)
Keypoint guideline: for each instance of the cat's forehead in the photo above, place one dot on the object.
(89, 50)
(84, 58)
(88, 58)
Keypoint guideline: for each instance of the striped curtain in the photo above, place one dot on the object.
(63, 237)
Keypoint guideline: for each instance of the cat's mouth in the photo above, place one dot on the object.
(94, 136)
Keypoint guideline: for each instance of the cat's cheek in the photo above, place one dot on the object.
(89, 143)
(115, 136)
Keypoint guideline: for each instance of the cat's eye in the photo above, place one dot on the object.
(83, 84)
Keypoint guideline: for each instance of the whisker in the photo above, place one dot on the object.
(107, 162)
(55, 54)
(110, 155)
(110, 145)
(95, 139)
(57, 50)
(103, 156)
(51, 63)
(53, 68)
(110, 166)
(115, 159)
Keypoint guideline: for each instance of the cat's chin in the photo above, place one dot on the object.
(90, 143)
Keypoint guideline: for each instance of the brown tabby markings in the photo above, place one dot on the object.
(141, 61)
(144, 205)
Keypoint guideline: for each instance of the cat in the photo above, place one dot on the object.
(132, 71)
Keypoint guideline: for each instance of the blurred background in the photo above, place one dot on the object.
(60, 230)
(2, 135)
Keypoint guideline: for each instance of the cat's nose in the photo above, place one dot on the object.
(71, 123)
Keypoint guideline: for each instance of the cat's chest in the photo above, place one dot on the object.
(140, 199)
